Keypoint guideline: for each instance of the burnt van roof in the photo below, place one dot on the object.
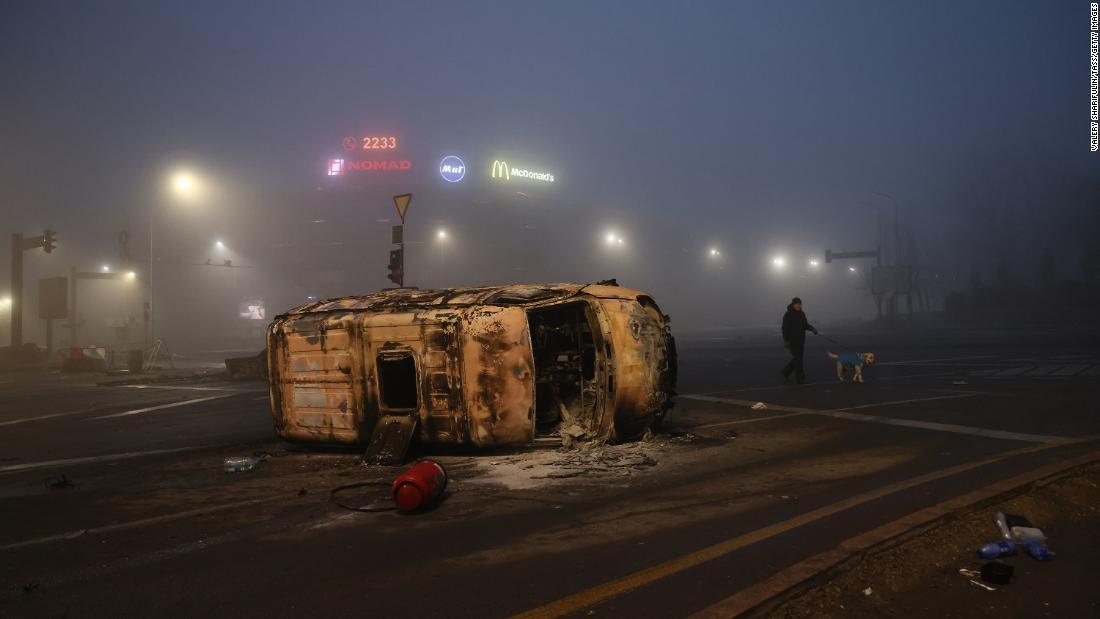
(396, 299)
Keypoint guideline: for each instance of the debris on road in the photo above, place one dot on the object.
(867, 591)
(240, 464)
(960, 381)
(997, 573)
(982, 585)
(759, 406)
(996, 550)
(59, 482)
(419, 487)
(1039, 551)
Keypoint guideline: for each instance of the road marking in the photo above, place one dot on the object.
(1070, 370)
(827, 382)
(750, 420)
(599, 593)
(201, 511)
(149, 409)
(190, 388)
(919, 361)
(842, 413)
(1014, 371)
(50, 416)
(45, 464)
(802, 572)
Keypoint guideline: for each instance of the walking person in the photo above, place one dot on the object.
(795, 326)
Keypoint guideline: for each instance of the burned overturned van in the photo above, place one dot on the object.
(485, 367)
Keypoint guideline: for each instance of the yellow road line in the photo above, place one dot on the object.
(594, 595)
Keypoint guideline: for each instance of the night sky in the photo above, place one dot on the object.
(754, 127)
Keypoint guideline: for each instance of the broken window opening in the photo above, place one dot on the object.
(397, 381)
(566, 362)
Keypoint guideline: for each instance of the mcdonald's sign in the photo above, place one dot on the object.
(502, 171)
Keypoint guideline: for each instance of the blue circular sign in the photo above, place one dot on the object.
(452, 169)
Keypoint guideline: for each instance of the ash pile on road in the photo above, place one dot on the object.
(587, 459)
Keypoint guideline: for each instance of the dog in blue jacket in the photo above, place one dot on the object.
(854, 361)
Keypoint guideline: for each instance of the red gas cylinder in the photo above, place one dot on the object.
(420, 486)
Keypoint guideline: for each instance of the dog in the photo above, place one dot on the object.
(854, 360)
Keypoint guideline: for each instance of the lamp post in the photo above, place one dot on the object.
(183, 185)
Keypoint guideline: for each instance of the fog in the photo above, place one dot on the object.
(711, 138)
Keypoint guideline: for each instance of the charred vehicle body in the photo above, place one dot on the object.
(485, 367)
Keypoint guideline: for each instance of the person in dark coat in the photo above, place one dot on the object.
(795, 326)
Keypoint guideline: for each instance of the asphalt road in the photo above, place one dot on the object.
(685, 523)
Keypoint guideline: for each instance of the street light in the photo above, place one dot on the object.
(131, 276)
(779, 262)
(612, 238)
(714, 253)
(105, 268)
(851, 269)
(183, 183)
(5, 302)
(814, 263)
(441, 234)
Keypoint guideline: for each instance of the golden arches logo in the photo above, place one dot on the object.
(500, 170)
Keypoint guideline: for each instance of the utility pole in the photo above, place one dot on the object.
(19, 244)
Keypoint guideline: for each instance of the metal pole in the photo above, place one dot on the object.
(72, 308)
(16, 290)
(151, 335)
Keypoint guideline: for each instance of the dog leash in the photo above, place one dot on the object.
(827, 338)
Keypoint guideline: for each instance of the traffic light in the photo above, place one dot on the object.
(49, 238)
(396, 266)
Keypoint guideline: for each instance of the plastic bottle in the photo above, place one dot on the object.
(237, 465)
(996, 550)
(1039, 551)
(1002, 525)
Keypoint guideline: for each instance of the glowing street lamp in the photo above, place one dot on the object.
(131, 276)
(613, 239)
(851, 269)
(183, 183)
(779, 262)
(441, 234)
(814, 263)
(219, 244)
(105, 268)
(714, 252)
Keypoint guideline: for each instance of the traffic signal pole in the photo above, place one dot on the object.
(16, 290)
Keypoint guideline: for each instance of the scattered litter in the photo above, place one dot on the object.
(1039, 551)
(1028, 534)
(996, 550)
(867, 591)
(1002, 525)
(759, 406)
(59, 482)
(970, 573)
(983, 586)
(1017, 521)
(997, 573)
(732, 434)
(240, 464)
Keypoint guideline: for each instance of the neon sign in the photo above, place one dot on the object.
(343, 166)
(502, 171)
(371, 142)
(452, 169)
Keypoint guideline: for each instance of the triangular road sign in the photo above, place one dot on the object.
(402, 204)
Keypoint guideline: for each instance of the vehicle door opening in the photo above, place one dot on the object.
(567, 389)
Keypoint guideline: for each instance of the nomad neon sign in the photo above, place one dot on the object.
(502, 171)
(340, 167)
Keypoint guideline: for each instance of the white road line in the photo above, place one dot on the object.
(191, 388)
(202, 511)
(750, 420)
(50, 416)
(45, 464)
(918, 361)
(149, 409)
(828, 382)
(1070, 370)
(1014, 371)
(842, 413)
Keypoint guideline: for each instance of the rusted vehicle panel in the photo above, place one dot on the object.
(485, 366)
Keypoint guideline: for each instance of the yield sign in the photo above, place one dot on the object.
(402, 204)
